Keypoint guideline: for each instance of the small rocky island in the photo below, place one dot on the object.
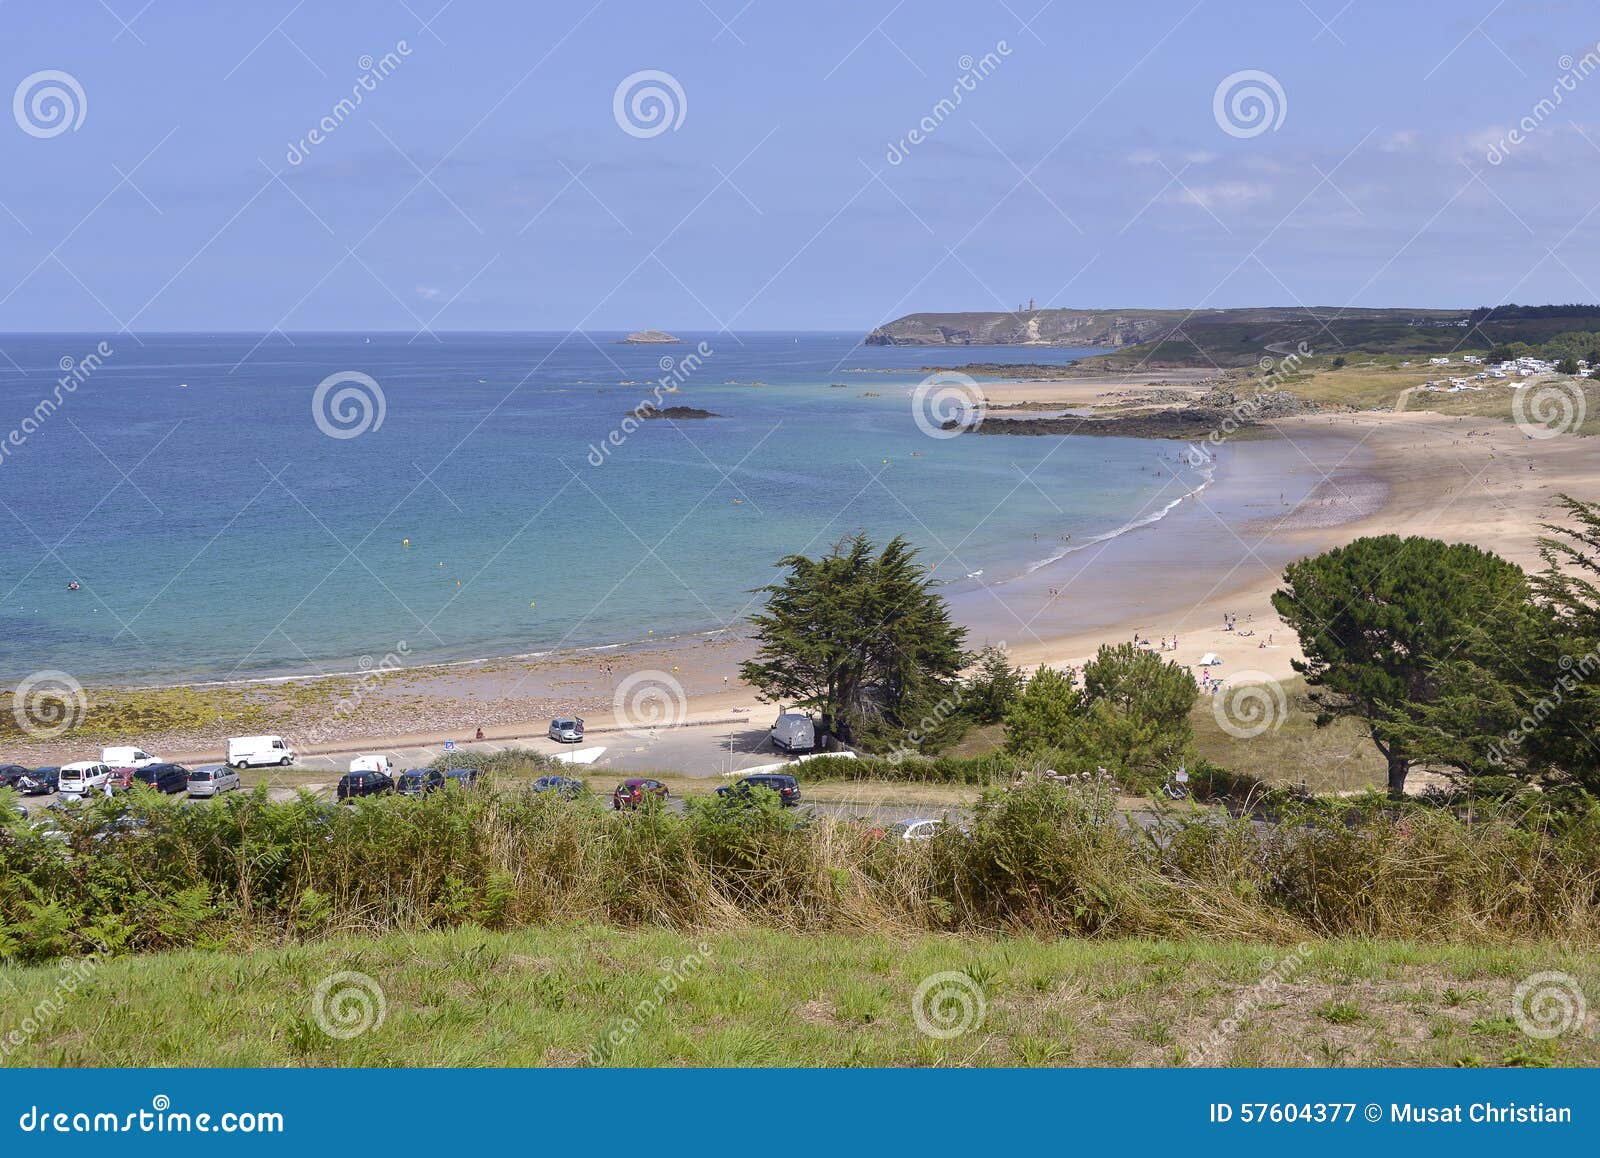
(651, 338)
(676, 412)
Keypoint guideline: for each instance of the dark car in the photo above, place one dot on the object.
(564, 787)
(461, 777)
(163, 777)
(353, 784)
(419, 782)
(787, 787)
(39, 781)
(632, 793)
(10, 774)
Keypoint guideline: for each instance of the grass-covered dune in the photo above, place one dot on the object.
(587, 995)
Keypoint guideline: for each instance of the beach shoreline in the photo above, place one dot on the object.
(1323, 480)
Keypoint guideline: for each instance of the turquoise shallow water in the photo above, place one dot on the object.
(218, 532)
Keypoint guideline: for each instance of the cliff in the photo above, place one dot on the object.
(1077, 328)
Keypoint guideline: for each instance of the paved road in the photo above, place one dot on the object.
(692, 749)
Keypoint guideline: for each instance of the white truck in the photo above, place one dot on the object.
(794, 732)
(258, 751)
(372, 762)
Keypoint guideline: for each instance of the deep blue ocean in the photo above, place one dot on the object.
(216, 531)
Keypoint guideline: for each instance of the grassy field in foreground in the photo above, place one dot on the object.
(585, 996)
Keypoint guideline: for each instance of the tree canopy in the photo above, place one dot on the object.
(1380, 619)
(1131, 716)
(859, 636)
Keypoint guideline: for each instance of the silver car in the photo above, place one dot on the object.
(566, 730)
(210, 779)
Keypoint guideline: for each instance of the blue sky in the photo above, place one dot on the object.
(485, 183)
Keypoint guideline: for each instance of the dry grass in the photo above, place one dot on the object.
(1338, 758)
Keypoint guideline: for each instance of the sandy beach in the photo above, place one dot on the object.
(1326, 479)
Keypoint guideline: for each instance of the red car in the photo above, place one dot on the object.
(631, 793)
(120, 780)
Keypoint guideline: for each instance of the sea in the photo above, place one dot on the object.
(196, 508)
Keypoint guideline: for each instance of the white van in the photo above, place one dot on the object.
(247, 751)
(134, 758)
(794, 732)
(372, 762)
(82, 778)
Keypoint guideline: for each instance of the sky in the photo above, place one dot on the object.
(496, 176)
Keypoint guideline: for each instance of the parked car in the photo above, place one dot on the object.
(632, 793)
(369, 783)
(919, 829)
(38, 781)
(563, 786)
(461, 777)
(163, 777)
(566, 730)
(259, 751)
(212, 779)
(128, 757)
(787, 787)
(419, 782)
(82, 778)
(119, 780)
(794, 732)
(10, 774)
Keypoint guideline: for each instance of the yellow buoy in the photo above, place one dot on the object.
(405, 542)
